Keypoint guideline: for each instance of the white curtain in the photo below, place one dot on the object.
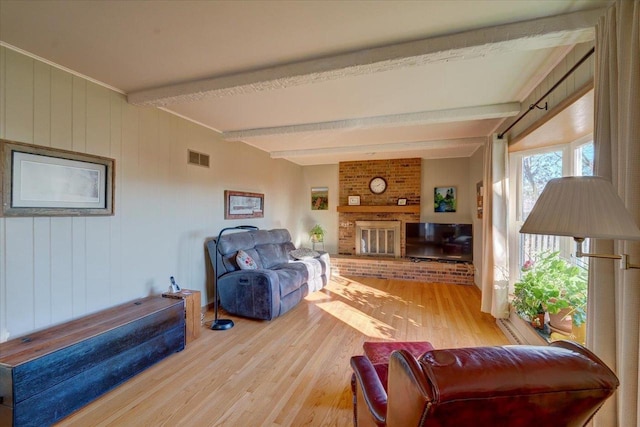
(614, 294)
(495, 261)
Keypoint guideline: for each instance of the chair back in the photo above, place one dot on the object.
(562, 384)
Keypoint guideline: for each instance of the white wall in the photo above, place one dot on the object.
(453, 172)
(321, 176)
(54, 269)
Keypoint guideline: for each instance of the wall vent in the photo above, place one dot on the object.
(198, 159)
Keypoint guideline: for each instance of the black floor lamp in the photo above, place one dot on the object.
(223, 324)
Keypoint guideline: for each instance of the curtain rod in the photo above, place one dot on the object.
(535, 105)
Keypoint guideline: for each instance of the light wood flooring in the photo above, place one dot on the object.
(293, 370)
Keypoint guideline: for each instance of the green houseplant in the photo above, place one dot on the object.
(573, 293)
(551, 284)
(529, 294)
(316, 234)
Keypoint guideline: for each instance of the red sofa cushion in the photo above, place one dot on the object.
(379, 352)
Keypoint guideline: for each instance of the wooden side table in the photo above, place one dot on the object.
(192, 311)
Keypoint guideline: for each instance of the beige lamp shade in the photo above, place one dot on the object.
(581, 206)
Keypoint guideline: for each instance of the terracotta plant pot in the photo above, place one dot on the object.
(538, 321)
(561, 321)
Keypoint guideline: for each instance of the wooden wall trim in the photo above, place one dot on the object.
(523, 141)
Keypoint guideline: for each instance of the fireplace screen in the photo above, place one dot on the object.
(378, 238)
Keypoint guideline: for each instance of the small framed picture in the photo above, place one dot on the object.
(444, 199)
(354, 201)
(402, 202)
(319, 198)
(238, 204)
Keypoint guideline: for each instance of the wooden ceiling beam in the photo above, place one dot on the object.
(379, 148)
(481, 112)
(535, 34)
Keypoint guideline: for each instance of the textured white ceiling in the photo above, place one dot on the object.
(319, 111)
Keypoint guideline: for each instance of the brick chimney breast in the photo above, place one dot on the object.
(403, 176)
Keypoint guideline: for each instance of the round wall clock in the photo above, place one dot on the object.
(378, 185)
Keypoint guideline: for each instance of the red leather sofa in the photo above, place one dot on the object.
(562, 384)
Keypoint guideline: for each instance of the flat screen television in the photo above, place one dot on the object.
(446, 242)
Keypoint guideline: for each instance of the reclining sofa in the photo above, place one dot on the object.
(272, 277)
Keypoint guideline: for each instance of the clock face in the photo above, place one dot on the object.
(378, 185)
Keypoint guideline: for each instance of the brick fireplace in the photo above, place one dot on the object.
(403, 178)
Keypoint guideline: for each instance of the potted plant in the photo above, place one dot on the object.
(571, 282)
(529, 294)
(568, 312)
(317, 234)
(553, 284)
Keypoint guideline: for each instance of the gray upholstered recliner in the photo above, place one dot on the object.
(277, 285)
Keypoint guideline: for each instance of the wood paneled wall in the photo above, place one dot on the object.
(582, 76)
(55, 269)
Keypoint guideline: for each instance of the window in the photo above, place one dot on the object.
(529, 173)
(536, 170)
(584, 158)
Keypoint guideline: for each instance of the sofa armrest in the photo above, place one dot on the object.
(409, 391)
(371, 395)
(251, 293)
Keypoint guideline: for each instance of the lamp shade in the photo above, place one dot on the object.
(581, 206)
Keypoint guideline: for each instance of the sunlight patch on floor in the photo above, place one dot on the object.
(317, 296)
(354, 290)
(359, 321)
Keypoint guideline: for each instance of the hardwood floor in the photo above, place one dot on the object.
(294, 370)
